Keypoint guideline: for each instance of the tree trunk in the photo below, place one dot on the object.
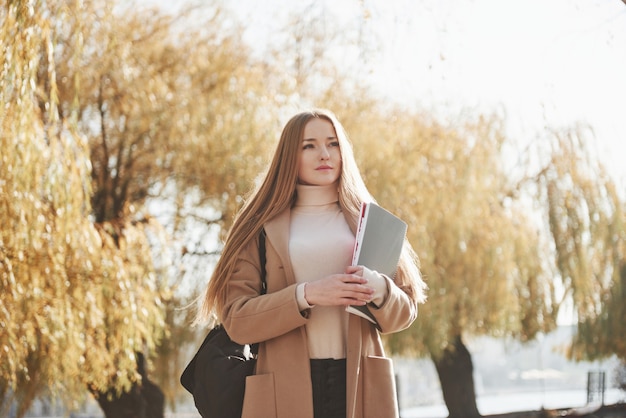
(144, 400)
(455, 371)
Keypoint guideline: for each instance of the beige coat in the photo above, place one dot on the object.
(281, 387)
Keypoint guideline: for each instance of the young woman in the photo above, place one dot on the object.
(315, 360)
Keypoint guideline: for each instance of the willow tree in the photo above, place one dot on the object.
(501, 249)
(586, 218)
(100, 118)
(75, 305)
(172, 111)
(481, 253)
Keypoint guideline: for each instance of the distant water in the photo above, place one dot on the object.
(523, 401)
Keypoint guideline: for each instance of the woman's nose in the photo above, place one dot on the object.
(325, 155)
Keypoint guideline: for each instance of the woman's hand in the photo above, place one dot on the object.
(345, 289)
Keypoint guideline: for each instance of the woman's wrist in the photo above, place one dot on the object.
(303, 303)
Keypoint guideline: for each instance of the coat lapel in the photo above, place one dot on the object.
(277, 231)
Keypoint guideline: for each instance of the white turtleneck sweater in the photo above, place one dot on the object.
(321, 244)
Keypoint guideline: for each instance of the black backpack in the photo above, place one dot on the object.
(216, 376)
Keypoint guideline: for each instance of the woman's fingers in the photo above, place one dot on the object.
(341, 289)
(358, 270)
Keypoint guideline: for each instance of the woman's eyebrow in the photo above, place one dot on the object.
(330, 138)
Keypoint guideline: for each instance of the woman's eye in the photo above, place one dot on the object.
(334, 144)
(308, 146)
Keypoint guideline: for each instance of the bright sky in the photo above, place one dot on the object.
(547, 63)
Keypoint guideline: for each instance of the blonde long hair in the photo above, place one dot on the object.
(277, 193)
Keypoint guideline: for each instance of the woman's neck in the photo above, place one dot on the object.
(316, 195)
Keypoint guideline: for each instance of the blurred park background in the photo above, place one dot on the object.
(131, 132)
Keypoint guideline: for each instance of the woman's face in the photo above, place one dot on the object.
(319, 162)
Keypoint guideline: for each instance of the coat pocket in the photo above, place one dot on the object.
(379, 388)
(260, 397)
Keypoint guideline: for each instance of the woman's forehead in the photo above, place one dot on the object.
(317, 128)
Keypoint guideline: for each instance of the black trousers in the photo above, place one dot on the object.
(328, 377)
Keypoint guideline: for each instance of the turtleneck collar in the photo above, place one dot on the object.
(316, 195)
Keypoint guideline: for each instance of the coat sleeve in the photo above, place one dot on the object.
(249, 316)
(397, 312)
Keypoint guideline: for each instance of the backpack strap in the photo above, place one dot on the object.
(254, 348)
(263, 260)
